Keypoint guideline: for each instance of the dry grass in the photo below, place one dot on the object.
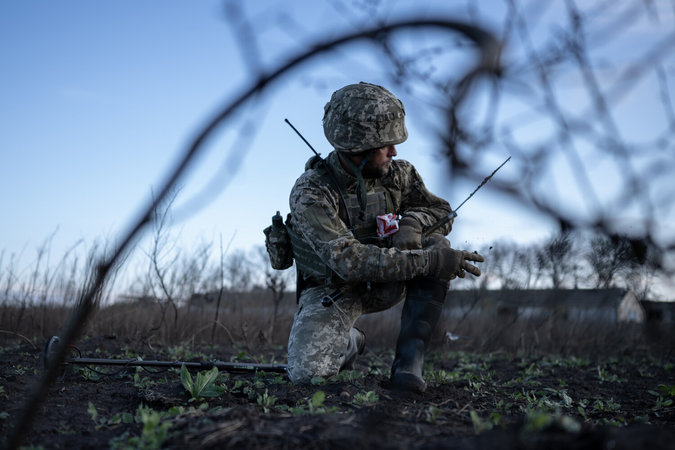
(245, 319)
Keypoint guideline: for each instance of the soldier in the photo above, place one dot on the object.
(332, 225)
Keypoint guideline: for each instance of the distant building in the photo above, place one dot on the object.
(659, 312)
(601, 305)
(139, 300)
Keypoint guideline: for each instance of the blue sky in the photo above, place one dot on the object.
(99, 99)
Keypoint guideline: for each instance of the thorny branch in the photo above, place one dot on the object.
(585, 134)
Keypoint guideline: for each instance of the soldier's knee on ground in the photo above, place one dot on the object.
(302, 371)
(298, 374)
(318, 338)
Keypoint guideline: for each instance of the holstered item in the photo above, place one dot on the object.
(278, 244)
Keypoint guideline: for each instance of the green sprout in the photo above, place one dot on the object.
(203, 385)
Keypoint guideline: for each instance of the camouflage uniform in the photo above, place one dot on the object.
(320, 336)
(332, 228)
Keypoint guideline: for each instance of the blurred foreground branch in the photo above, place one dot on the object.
(489, 50)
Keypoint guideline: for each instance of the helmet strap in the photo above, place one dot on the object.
(361, 193)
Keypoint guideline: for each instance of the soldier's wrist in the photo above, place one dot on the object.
(411, 222)
(432, 264)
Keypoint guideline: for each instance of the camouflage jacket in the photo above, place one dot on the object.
(315, 215)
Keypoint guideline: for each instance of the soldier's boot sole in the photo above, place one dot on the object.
(408, 381)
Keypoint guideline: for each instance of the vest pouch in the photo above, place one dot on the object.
(308, 262)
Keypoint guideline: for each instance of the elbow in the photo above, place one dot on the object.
(352, 276)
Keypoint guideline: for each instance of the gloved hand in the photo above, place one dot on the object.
(447, 263)
(409, 234)
(433, 239)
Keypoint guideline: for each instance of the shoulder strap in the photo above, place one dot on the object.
(330, 176)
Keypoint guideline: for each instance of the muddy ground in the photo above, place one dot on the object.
(474, 401)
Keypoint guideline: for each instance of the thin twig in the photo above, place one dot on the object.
(21, 336)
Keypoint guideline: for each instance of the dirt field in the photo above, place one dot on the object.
(474, 401)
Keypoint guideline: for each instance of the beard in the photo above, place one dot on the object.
(372, 171)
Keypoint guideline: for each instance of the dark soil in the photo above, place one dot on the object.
(473, 401)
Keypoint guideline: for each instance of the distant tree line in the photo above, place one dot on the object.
(569, 260)
(563, 261)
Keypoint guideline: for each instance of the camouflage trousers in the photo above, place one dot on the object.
(321, 336)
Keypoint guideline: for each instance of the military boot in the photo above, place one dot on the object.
(357, 342)
(421, 311)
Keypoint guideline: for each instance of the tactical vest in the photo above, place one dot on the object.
(364, 228)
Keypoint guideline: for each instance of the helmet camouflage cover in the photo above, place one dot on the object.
(364, 116)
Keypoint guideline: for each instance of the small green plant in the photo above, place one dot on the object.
(530, 398)
(378, 369)
(641, 419)
(315, 405)
(348, 376)
(660, 403)
(481, 426)
(266, 401)
(532, 371)
(318, 381)
(279, 379)
(183, 352)
(614, 422)
(667, 390)
(239, 386)
(118, 418)
(247, 388)
(101, 422)
(432, 413)
(605, 377)
(478, 382)
(366, 398)
(203, 385)
(645, 372)
(153, 434)
(504, 406)
(443, 377)
(608, 405)
(538, 420)
(239, 357)
(664, 396)
(566, 361)
(88, 374)
(65, 428)
(142, 382)
(565, 400)
(93, 412)
(131, 354)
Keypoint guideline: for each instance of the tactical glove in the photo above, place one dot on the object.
(447, 263)
(409, 234)
(432, 240)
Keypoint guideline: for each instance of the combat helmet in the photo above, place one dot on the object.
(364, 116)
